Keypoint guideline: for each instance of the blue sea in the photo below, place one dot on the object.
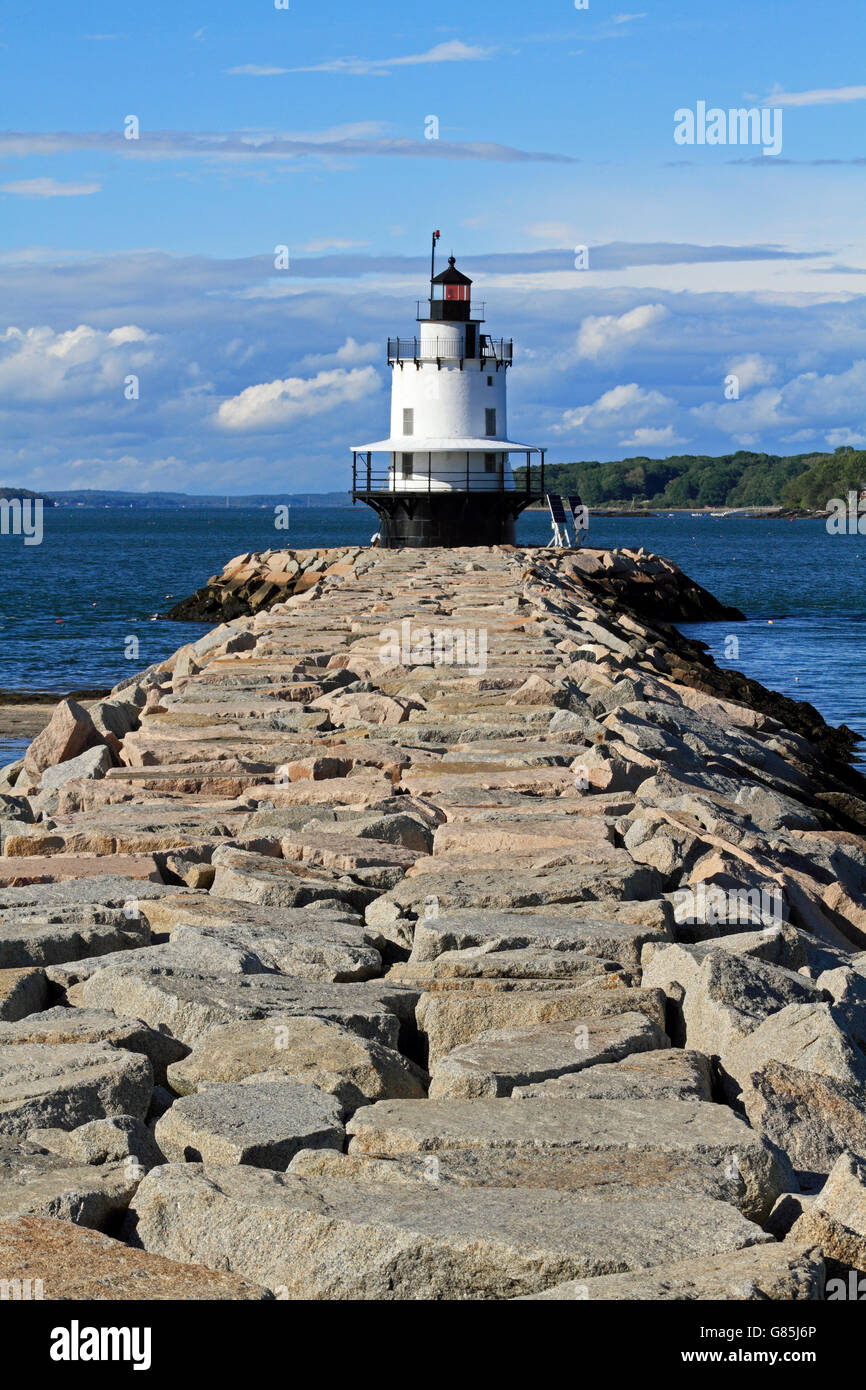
(69, 607)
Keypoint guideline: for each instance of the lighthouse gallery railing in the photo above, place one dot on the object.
(385, 476)
(434, 349)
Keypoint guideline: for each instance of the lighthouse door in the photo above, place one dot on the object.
(471, 340)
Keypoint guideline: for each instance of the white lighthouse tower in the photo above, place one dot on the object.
(443, 476)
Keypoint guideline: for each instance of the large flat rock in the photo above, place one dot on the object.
(315, 943)
(262, 1122)
(324, 942)
(498, 1061)
(461, 885)
(49, 923)
(787, 1273)
(454, 1018)
(271, 882)
(187, 1003)
(70, 1263)
(108, 891)
(108, 1141)
(65, 1085)
(603, 936)
(61, 1025)
(18, 871)
(477, 963)
(671, 1074)
(315, 1050)
(36, 1181)
(326, 1239)
(67, 935)
(590, 841)
(710, 1141)
(328, 952)
(345, 853)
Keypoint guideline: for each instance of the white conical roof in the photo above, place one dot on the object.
(418, 444)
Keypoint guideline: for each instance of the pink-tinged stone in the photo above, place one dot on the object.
(70, 731)
(55, 868)
(68, 1262)
(534, 691)
(318, 769)
(365, 707)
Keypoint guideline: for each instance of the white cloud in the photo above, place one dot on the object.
(819, 96)
(752, 370)
(234, 145)
(128, 334)
(606, 334)
(61, 395)
(127, 473)
(256, 70)
(48, 188)
(755, 413)
(276, 403)
(84, 362)
(627, 18)
(334, 243)
(618, 408)
(808, 401)
(648, 438)
(451, 52)
(351, 354)
(836, 438)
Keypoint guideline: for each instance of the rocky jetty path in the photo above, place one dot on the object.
(447, 927)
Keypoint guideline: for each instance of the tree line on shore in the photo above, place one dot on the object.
(742, 479)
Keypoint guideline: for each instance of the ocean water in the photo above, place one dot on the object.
(79, 610)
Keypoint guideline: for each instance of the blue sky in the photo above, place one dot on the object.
(306, 127)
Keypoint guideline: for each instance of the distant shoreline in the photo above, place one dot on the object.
(717, 513)
(98, 500)
(329, 501)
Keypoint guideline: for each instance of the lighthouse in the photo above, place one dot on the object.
(443, 476)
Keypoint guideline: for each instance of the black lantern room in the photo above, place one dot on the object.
(450, 295)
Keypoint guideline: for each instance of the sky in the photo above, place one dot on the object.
(666, 293)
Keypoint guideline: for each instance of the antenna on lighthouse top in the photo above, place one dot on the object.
(436, 236)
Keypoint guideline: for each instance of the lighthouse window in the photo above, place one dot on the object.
(489, 463)
(490, 381)
(407, 463)
(490, 416)
(408, 421)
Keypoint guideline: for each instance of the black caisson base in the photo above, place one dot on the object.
(451, 519)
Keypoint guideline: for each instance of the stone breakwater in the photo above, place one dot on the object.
(254, 582)
(440, 930)
(644, 583)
